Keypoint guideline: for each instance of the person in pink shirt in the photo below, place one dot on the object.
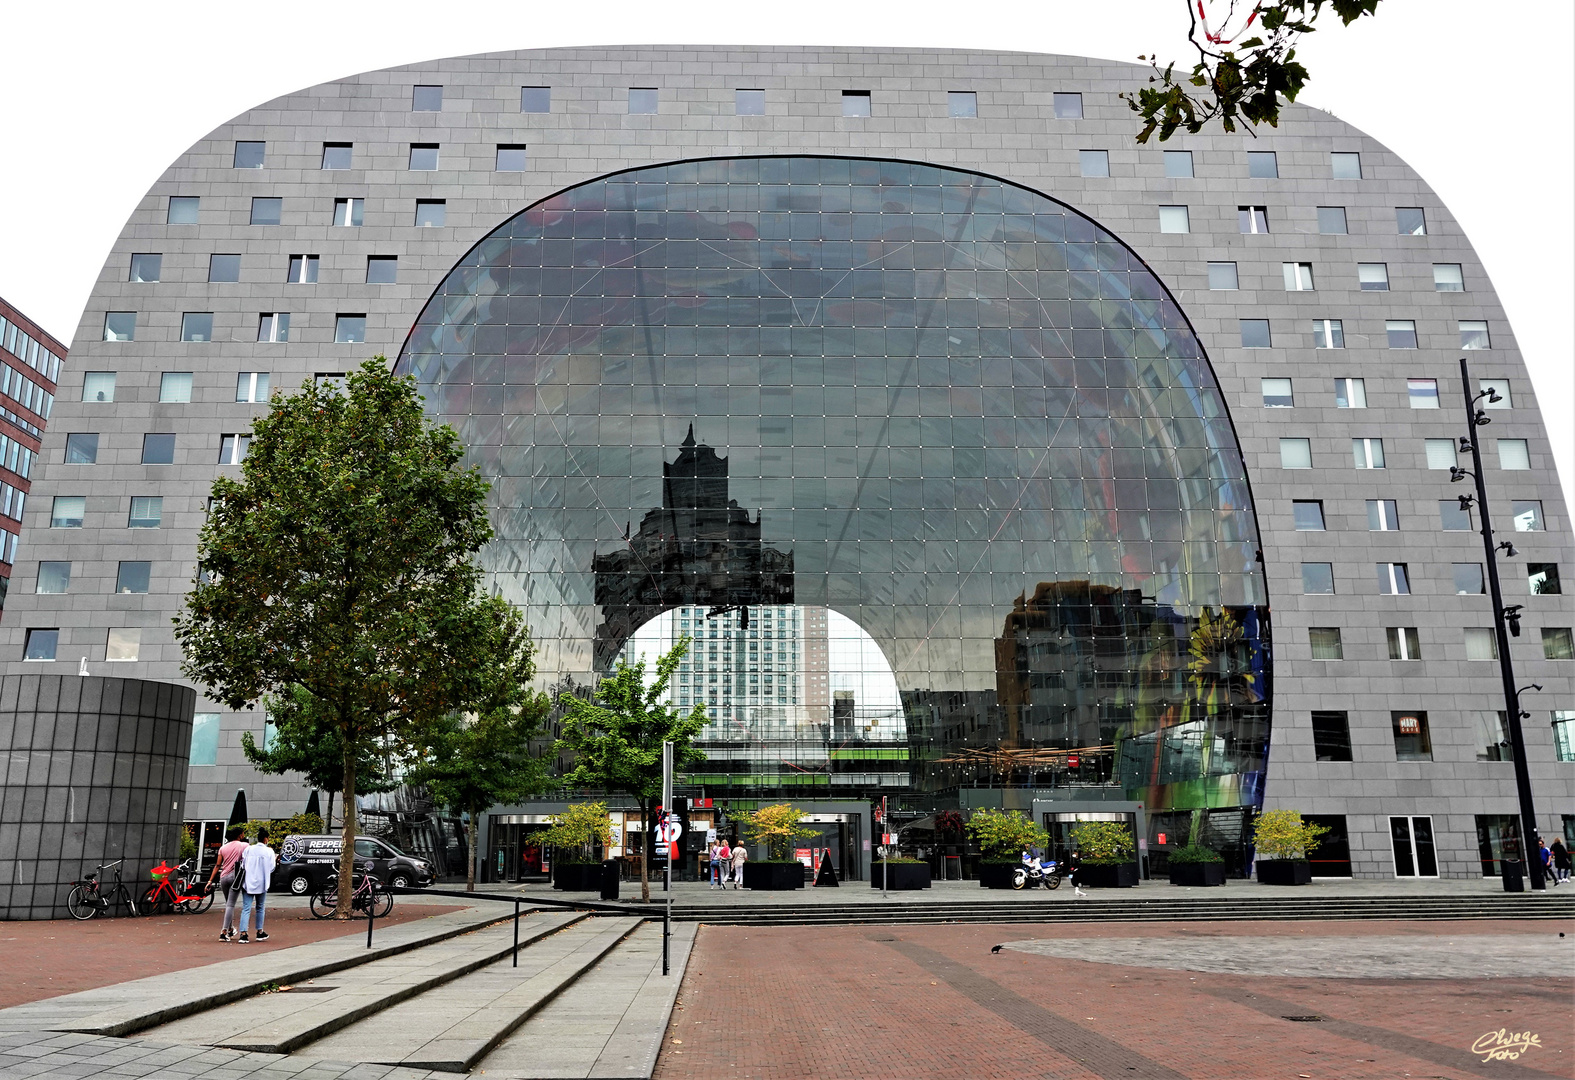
(226, 869)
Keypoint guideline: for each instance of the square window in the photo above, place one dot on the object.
(1527, 515)
(1068, 106)
(1328, 334)
(430, 213)
(1325, 641)
(1514, 454)
(535, 99)
(1481, 643)
(98, 386)
(1295, 454)
(426, 99)
(1383, 515)
(1093, 163)
(963, 104)
(1318, 578)
(1411, 221)
(1331, 220)
(332, 380)
(1448, 278)
(303, 270)
(350, 329)
(204, 739)
(382, 269)
(158, 449)
(349, 212)
(1469, 580)
(123, 644)
(120, 326)
(511, 157)
(267, 211)
(249, 155)
(1222, 275)
(1368, 453)
(232, 448)
(1493, 736)
(749, 102)
(855, 103)
(1441, 453)
(336, 155)
(1174, 219)
(53, 577)
(273, 326)
(196, 326)
(1372, 277)
(82, 448)
(67, 511)
(41, 643)
(146, 267)
(1277, 394)
(133, 577)
(1331, 736)
(175, 388)
(1474, 335)
(1298, 277)
(1394, 579)
(147, 512)
(1178, 164)
(1401, 333)
(224, 269)
(1345, 166)
(182, 210)
(1500, 389)
(1262, 165)
(1350, 393)
(1253, 219)
(1453, 517)
(1255, 333)
(1564, 750)
(251, 386)
(1308, 515)
(1557, 643)
(1411, 736)
(1543, 578)
(1423, 393)
(423, 157)
(1404, 643)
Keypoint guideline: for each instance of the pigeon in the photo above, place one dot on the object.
(1078, 889)
(998, 948)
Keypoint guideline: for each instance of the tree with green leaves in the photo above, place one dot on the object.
(482, 754)
(341, 563)
(1247, 80)
(616, 736)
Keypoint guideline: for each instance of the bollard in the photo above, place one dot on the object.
(667, 924)
(371, 909)
(516, 933)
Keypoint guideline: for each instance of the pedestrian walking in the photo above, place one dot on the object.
(1561, 861)
(740, 857)
(724, 855)
(1545, 857)
(226, 868)
(256, 870)
(713, 867)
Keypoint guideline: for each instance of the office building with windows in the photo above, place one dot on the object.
(29, 370)
(986, 456)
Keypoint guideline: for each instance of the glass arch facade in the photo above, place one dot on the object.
(953, 410)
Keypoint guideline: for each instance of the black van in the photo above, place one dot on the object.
(306, 861)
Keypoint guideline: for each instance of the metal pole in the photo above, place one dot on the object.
(371, 907)
(667, 930)
(1528, 812)
(885, 858)
(666, 815)
(516, 933)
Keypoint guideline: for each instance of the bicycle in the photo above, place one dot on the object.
(90, 897)
(174, 891)
(367, 893)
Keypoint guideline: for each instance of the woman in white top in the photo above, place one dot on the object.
(740, 857)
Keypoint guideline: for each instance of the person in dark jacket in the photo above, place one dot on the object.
(1561, 861)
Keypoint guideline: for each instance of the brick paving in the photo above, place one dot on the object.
(47, 958)
(922, 1002)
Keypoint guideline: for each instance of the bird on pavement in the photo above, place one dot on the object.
(998, 948)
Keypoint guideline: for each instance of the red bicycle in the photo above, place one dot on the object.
(175, 888)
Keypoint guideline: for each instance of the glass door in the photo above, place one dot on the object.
(1412, 839)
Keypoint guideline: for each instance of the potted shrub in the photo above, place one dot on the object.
(777, 827)
(1196, 865)
(1282, 842)
(900, 872)
(575, 835)
(1003, 836)
(1108, 854)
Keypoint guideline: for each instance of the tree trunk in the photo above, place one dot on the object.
(328, 822)
(470, 867)
(347, 851)
(645, 853)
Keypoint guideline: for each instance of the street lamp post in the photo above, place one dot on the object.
(1504, 620)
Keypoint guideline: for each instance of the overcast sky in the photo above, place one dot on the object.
(1478, 98)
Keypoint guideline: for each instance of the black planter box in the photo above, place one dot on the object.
(1197, 873)
(997, 875)
(773, 876)
(901, 875)
(1117, 876)
(577, 877)
(1284, 872)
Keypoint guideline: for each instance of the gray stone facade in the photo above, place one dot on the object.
(1017, 136)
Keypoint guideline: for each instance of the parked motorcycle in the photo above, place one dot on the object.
(1047, 874)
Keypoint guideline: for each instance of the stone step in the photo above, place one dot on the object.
(279, 1022)
(453, 1027)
